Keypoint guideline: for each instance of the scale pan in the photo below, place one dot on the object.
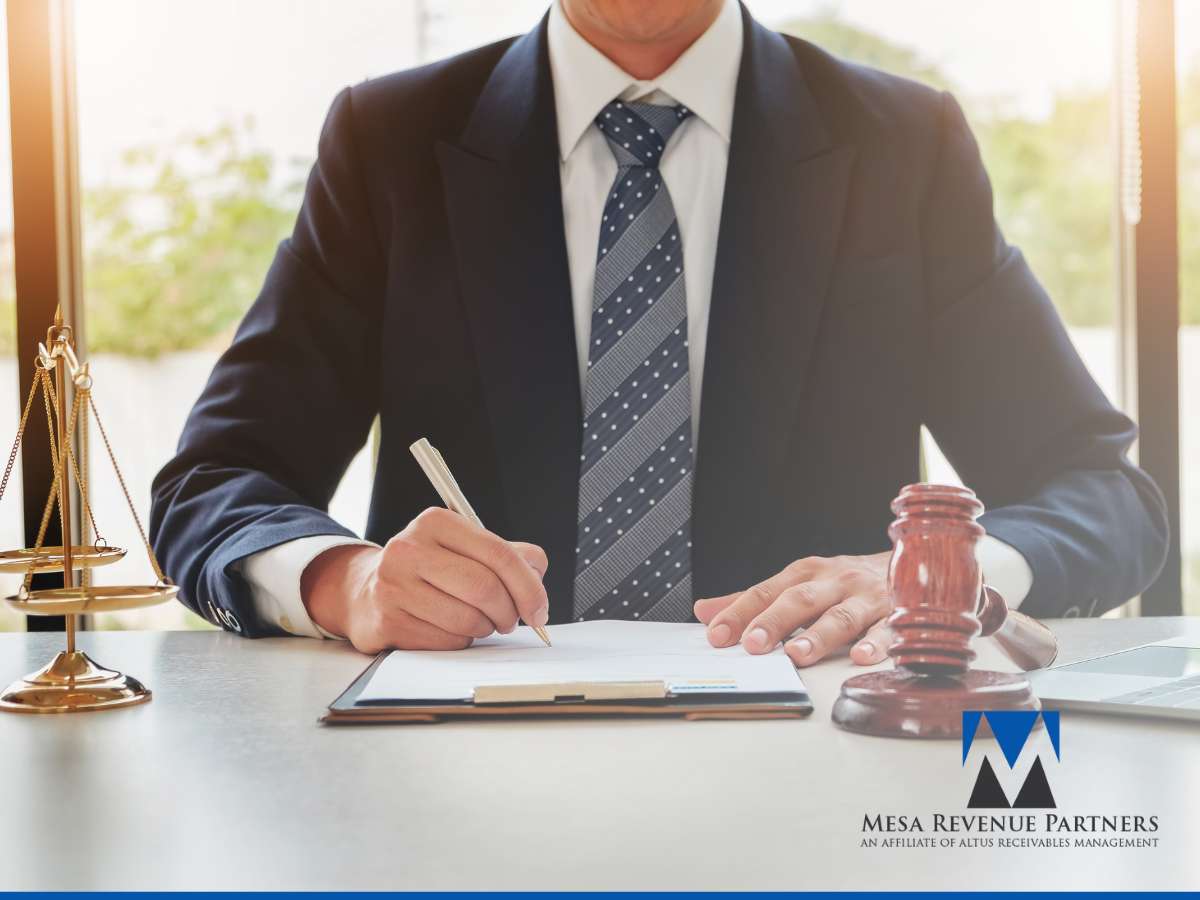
(94, 599)
(50, 559)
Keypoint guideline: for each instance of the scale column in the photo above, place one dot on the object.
(64, 472)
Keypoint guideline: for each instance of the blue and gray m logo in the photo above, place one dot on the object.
(1012, 730)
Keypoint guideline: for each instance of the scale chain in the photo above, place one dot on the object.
(40, 378)
(41, 535)
(125, 490)
(12, 457)
(47, 391)
(76, 410)
(50, 399)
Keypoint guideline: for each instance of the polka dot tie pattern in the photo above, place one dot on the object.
(633, 556)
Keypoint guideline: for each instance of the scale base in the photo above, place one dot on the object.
(72, 682)
(898, 703)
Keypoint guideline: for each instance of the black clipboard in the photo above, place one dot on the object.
(601, 698)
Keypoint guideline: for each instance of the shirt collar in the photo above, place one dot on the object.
(704, 78)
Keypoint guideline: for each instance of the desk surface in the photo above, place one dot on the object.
(225, 780)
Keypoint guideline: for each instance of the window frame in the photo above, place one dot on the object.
(1147, 252)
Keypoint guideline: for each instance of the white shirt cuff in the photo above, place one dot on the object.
(1005, 569)
(274, 577)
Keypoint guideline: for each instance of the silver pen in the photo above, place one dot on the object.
(439, 475)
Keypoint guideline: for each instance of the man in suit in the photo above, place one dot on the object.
(673, 294)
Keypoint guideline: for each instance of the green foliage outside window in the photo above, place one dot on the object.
(178, 250)
(1053, 183)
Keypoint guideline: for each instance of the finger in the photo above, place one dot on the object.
(798, 605)
(468, 582)
(400, 630)
(442, 610)
(728, 626)
(706, 609)
(524, 586)
(873, 647)
(838, 626)
(534, 555)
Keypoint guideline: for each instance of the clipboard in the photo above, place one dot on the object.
(596, 698)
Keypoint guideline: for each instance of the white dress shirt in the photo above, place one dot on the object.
(703, 79)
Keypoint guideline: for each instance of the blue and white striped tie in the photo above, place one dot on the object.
(635, 483)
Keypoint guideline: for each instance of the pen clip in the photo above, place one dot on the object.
(462, 504)
(446, 473)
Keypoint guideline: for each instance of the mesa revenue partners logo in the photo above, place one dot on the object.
(1012, 730)
(1012, 793)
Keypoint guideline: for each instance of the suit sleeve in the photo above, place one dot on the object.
(287, 405)
(1016, 412)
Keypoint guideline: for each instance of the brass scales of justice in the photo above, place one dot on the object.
(72, 681)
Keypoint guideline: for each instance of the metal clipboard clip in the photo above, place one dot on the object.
(570, 692)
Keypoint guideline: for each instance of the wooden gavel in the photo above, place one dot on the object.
(939, 603)
(1023, 639)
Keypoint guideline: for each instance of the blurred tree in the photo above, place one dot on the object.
(832, 34)
(178, 249)
(1054, 194)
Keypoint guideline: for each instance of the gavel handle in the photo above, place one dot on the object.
(1023, 639)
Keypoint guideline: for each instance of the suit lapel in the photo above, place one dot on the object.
(784, 194)
(504, 206)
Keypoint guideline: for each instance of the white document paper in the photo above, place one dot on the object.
(677, 654)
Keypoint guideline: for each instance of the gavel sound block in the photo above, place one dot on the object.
(939, 604)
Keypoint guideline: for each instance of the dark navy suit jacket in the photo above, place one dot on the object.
(862, 289)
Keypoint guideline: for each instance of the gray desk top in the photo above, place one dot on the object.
(226, 781)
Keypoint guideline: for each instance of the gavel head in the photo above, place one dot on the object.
(934, 578)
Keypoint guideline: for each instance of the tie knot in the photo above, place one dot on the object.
(638, 132)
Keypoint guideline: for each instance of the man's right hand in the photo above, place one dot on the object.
(437, 585)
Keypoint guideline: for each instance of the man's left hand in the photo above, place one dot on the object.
(836, 601)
